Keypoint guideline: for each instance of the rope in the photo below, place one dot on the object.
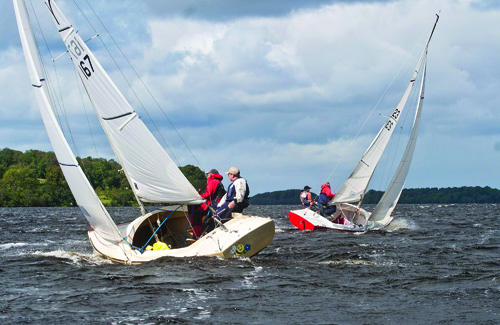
(154, 233)
(143, 83)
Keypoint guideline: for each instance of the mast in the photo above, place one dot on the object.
(388, 202)
(353, 190)
(85, 196)
(151, 173)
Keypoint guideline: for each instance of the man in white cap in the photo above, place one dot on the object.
(236, 198)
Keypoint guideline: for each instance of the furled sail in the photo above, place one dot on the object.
(152, 174)
(354, 188)
(83, 192)
(383, 210)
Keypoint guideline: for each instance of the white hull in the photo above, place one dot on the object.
(245, 236)
(357, 220)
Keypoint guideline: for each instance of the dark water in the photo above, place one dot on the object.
(434, 264)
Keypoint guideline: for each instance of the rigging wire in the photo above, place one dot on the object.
(395, 149)
(371, 113)
(143, 83)
(85, 110)
(55, 95)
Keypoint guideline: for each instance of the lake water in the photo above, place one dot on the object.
(434, 264)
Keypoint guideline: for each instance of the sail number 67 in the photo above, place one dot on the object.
(84, 68)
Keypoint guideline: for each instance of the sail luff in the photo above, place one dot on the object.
(388, 202)
(83, 192)
(152, 174)
(354, 188)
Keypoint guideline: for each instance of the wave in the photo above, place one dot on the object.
(402, 223)
(75, 257)
(10, 245)
(361, 262)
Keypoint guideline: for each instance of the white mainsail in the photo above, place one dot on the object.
(383, 210)
(152, 174)
(354, 188)
(83, 192)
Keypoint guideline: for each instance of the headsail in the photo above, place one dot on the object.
(383, 210)
(152, 174)
(85, 196)
(353, 190)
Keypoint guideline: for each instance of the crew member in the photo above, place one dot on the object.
(236, 199)
(326, 196)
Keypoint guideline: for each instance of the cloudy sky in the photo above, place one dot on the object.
(278, 88)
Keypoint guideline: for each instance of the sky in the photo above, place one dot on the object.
(280, 89)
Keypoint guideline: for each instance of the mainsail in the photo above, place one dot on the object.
(152, 174)
(383, 210)
(83, 192)
(353, 190)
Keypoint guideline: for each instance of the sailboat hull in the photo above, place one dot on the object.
(244, 236)
(356, 220)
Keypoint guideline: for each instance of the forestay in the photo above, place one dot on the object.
(354, 188)
(387, 203)
(152, 174)
(85, 196)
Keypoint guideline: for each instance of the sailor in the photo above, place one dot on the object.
(211, 195)
(236, 199)
(306, 199)
(326, 196)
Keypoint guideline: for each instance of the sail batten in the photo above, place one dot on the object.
(86, 198)
(152, 174)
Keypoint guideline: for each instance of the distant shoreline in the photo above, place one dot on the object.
(448, 195)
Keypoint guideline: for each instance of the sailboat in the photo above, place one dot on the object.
(153, 176)
(350, 216)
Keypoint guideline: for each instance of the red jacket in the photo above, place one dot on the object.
(327, 190)
(211, 190)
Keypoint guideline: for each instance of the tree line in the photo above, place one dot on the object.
(450, 195)
(34, 179)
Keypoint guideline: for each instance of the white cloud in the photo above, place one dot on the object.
(282, 96)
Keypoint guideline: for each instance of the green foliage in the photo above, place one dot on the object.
(286, 197)
(34, 178)
(409, 196)
(195, 176)
(449, 195)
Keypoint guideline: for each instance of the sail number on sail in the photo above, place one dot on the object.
(395, 116)
(76, 49)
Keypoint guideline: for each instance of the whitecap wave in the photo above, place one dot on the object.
(402, 223)
(361, 262)
(75, 257)
(10, 245)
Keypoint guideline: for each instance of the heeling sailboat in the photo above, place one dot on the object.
(353, 190)
(152, 174)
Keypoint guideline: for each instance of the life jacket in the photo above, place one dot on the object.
(308, 197)
(219, 193)
(231, 194)
(326, 194)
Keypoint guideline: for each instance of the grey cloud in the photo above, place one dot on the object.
(222, 10)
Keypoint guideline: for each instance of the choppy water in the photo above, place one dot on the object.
(434, 264)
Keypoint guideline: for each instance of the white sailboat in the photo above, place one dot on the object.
(153, 176)
(350, 217)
